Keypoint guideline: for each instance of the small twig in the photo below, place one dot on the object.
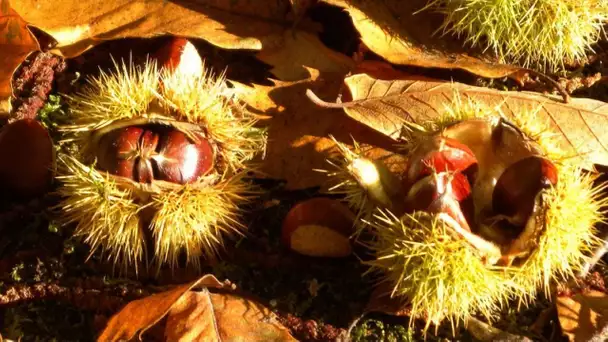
(316, 100)
(85, 299)
(562, 91)
(352, 326)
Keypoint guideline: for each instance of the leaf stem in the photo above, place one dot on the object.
(316, 100)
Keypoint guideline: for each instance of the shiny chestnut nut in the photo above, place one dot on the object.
(26, 159)
(438, 154)
(154, 152)
(441, 193)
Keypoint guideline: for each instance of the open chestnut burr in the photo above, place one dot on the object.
(156, 166)
(488, 210)
(491, 186)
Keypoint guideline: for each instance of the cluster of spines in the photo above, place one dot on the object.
(192, 218)
(535, 33)
(443, 278)
(139, 91)
(345, 185)
(105, 214)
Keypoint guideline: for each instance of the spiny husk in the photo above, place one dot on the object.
(204, 216)
(106, 214)
(114, 214)
(160, 96)
(443, 278)
(355, 194)
(365, 183)
(536, 129)
(535, 33)
(437, 274)
(192, 218)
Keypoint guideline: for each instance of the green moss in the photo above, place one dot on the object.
(53, 113)
(373, 329)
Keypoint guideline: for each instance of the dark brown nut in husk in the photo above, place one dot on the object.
(145, 153)
(495, 211)
(160, 157)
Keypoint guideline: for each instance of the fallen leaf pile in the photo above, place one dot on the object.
(190, 312)
(319, 88)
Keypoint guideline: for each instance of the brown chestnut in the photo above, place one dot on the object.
(179, 55)
(319, 227)
(439, 154)
(441, 193)
(26, 158)
(518, 213)
(154, 152)
(517, 188)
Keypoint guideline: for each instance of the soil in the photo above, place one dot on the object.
(51, 289)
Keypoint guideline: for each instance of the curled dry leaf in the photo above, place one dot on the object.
(298, 130)
(16, 43)
(79, 25)
(394, 30)
(584, 316)
(196, 316)
(579, 126)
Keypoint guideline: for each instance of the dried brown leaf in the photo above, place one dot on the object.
(16, 43)
(301, 6)
(196, 316)
(139, 315)
(78, 25)
(580, 126)
(300, 51)
(584, 316)
(299, 130)
(205, 316)
(393, 30)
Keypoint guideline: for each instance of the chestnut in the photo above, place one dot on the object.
(154, 152)
(26, 158)
(319, 227)
(519, 185)
(179, 55)
(441, 193)
(438, 154)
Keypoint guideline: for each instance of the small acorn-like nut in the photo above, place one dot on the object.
(26, 158)
(180, 56)
(319, 227)
(145, 153)
(440, 154)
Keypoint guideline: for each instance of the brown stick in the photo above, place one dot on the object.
(562, 91)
